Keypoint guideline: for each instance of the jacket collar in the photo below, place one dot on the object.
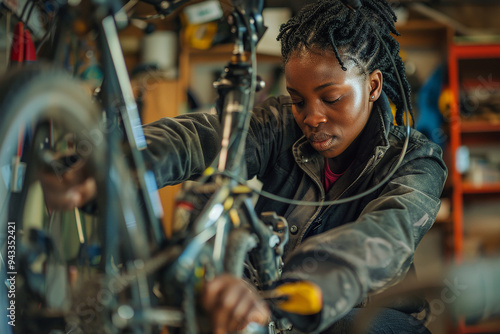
(377, 130)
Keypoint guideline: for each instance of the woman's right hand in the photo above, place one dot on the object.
(68, 188)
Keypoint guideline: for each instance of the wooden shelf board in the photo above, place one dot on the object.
(422, 34)
(419, 24)
(443, 221)
(221, 49)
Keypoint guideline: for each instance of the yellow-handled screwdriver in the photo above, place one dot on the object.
(300, 297)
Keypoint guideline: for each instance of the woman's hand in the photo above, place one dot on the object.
(233, 303)
(67, 188)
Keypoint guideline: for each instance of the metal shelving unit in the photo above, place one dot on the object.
(470, 133)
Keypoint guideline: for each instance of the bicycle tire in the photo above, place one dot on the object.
(42, 92)
(36, 94)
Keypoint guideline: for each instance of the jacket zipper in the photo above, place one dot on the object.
(318, 210)
(370, 162)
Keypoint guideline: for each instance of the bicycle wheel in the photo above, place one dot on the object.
(58, 273)
(43, 113)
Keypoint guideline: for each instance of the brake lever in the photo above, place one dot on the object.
(253, 9)
(250, 11)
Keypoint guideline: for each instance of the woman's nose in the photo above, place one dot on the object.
(314, 117)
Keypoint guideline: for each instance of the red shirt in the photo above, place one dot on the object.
(329, 177)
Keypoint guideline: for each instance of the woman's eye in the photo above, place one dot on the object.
(331, 101)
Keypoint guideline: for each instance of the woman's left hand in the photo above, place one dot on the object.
(233, 303)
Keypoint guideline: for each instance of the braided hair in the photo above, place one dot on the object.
(329, 24)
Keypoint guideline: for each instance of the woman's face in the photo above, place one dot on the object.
(330, 105)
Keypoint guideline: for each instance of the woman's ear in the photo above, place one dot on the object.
(376, 80)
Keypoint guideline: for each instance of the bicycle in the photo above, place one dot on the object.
(122, 274)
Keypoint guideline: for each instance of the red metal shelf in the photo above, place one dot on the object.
(475, 51)
(469, 188)
(462, 133)
(482, 329)
(479, 127)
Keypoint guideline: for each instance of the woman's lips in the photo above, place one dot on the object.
(321, 143)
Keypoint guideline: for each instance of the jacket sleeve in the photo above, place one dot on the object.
(272, 132)
(180, 148)
(374, 252)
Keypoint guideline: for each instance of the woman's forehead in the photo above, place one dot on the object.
(320, 61)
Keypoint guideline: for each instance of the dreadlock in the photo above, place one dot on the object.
(330, 24)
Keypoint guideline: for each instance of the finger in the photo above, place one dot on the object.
(211, 292)
(60, 180)
(57, 194)
(87, 191)
(60, 204)
(260, 313)
(61, 196)
(63, 201)
(50, 180)
(256, 310)
(228, 300)
(239, 317)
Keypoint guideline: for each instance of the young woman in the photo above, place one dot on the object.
(332, 137)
